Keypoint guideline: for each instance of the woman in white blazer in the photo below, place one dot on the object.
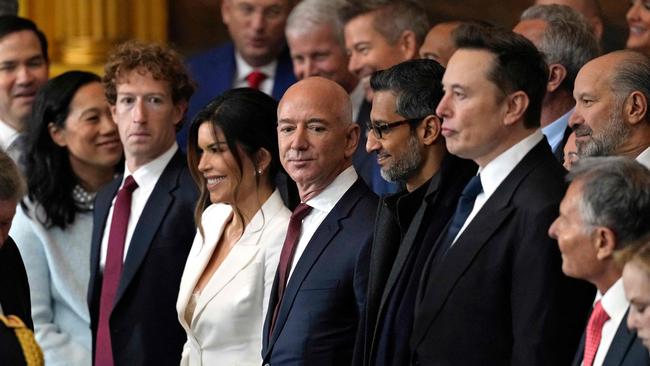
(233, 157)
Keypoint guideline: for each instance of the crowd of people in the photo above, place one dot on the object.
(341, 184)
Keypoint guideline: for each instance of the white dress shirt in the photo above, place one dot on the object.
(497, 170)
(615, 305)
(321, 205)
(644, 158)
(146, 176)
(7, 135)
(243, 69)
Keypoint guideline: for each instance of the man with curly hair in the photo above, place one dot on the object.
(143, 221)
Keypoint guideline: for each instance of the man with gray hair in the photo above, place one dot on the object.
(605, 209)
(378, 35)
(567, 42)
(611, 115)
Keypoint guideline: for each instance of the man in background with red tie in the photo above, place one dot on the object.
(257, 57)
(143, 220)
(606, 208)
(320, 288)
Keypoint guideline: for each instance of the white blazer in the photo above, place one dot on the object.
(226, 326)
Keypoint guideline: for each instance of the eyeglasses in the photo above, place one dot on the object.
(379, 129)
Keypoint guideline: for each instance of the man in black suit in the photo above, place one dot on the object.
(320, 287)
(14, 289)
(492, 291)
(567, 42)
(405, 136)
(141, 239)
(605, 209)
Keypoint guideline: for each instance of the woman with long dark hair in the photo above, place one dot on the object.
(233, 157)
(73, 148)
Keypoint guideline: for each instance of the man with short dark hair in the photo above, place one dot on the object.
(405, 136)
(567, 42)
(439, 42)
(492, 290)
(612, 95)
(378, 35)
(257, 57)
(604, 209)
(24, 68)
(143, 224)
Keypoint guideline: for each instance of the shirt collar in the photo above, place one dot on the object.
(644, 157)
(7, 135)
(614, 301)
(329, 197)
(500, 167)
(243, 68)
(150, 172)
(554, 132)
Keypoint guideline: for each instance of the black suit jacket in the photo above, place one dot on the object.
(389, 251)
(144, 324)
(498, 296)
(15, 300)
(559, 153)
(318, 317)
(625, 350)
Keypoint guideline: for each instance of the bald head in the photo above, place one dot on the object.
(590, 9)
(439, 43)
(316, 134)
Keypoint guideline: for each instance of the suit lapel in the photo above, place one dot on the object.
(319, 241)
(446, 272)
(623, 340)
(151, 218)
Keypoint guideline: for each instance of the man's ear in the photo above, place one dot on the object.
(351, 139)
(556, 75)
(432, 127)
(57, 134)
(605, 242)
(180, 108)
(517, 104)
(636, 107)
(408, 45)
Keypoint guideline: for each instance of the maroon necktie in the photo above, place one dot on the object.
(594, 332)
(288, 250)
(255, 79)
(113, 271)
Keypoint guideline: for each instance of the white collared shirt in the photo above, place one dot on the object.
(644, 157)
(7, 135)
(243, 69)
(498, 169)
(322, 204)
(146, 176)
(554, 131)
(615, 305)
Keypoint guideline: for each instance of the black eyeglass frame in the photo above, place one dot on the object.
(380, 129)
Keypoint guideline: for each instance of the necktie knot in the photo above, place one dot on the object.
(473, 188)
(130, 184)
(300, 212)
(255, 79)
(597, 320)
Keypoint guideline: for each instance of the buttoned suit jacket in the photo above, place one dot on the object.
(143, 323)
(389, 251)
(318, 318)
(625, 350)
(214, 72)
(498, 296)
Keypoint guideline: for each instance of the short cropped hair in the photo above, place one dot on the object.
(417, 85)
(392, 19)
(313, 13)
(631, 74)
(162, 62)
(568, 40)
(12, 24)
(518, 65)
(12, 186)
(615, 194)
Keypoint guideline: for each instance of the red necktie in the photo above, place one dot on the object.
(255, 79)
(113, 271)
(594, 331)
(288, 250)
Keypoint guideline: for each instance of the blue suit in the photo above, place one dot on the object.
(214, 72)
(317, 321)
(143, 323)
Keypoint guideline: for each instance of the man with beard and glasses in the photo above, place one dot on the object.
(405, 135)
(611, 115)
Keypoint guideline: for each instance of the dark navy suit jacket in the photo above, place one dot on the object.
(214, 71)
(325, 295)
(144, 324)
(625, 350)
